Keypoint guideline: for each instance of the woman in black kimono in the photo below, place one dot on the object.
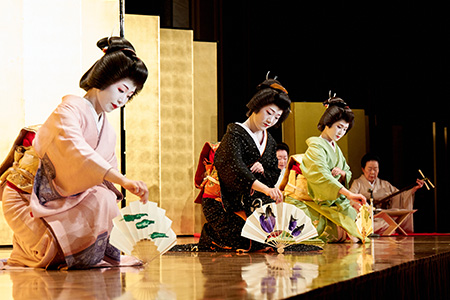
(247, 168)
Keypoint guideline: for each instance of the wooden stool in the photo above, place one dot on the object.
(394, 217)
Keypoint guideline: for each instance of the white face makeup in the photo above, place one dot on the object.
(336, 131)
(116, 95)
(267, 116)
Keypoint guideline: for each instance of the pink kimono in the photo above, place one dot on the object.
(68, 217)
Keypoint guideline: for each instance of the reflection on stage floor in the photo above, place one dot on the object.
(204, 275)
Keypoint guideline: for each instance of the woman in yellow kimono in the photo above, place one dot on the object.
(67, 218)
(331, 207)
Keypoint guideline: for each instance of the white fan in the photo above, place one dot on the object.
(278, 225)
(143, 230)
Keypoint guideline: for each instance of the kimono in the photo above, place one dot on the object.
(237, 152)
(382, 188)
(330, 211)
(67, 218)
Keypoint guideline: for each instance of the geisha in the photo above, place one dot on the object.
(330, 205)
(247, 168)
(66, 219)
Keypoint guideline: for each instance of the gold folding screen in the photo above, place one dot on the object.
(142, 114)
(176, 112)
(177, 128)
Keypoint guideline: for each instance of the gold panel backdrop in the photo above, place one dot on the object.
(177, 128)
(205, 104)
(142, 114)
(302, 124)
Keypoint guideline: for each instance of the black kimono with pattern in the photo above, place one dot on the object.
(234, 157)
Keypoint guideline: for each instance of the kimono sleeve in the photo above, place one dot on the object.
(234, 175)
(346, 168)
(315, 167)
(63, 138)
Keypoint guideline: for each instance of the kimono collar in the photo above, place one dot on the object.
(370, 183)
(98, 119)
(261, 146)
(332, 143)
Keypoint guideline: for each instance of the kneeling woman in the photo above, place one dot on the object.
(67, 219)
(331, 207)
(247, 168)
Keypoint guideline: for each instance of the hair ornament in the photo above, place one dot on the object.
(275, 85)
(279, 87)
(329, 95)
(335, 101)
(267, 76)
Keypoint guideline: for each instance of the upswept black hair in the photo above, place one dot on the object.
(336, 110)
(118, 62)
(270, 91)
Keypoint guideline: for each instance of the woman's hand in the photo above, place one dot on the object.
(138, 188)
(418, 186)
(257, 168)
(275, 194)
(355, 204)
(337, 171)
(356, 200)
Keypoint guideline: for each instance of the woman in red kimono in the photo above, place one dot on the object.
(67, 219)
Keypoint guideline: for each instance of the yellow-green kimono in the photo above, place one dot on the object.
(328, 208)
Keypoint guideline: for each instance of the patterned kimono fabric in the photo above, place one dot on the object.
(67, 219)
(237, 152)
(330, 212)
(382, 188)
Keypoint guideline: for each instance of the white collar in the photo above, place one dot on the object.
(261, 146)
(98, 119)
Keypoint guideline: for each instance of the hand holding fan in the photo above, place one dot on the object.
(278, 225)
(143, 230)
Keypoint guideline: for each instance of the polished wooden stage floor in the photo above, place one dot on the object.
(372, 269)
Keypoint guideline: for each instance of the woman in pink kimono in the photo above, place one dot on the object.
(67, 218)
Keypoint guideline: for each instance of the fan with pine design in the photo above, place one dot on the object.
(143, 230)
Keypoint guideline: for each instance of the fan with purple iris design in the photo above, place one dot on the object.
(278, 225)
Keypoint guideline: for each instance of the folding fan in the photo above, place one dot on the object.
(364, 221)
(143, 230)
(278, 225)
